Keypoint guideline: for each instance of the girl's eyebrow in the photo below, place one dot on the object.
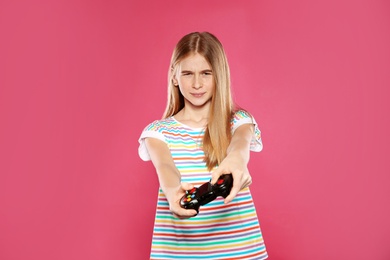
(190, 71)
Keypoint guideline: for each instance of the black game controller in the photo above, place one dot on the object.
(207, 192)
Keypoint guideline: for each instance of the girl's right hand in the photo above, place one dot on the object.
(174, 203)
(169, 177)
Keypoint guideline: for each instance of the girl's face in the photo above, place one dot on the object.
(195, 80)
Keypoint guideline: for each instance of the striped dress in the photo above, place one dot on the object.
(219, 231)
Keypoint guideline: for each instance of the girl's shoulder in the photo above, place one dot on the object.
(160, 124)
(241, 115)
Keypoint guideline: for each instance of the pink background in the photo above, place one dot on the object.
(80, 79)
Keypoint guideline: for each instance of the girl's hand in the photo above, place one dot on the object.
(174, 201)
(169, 177)
(236, 161)
(236, 166)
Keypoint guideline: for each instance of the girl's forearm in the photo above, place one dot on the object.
(240, 143)
(169, 179)
(168, 175)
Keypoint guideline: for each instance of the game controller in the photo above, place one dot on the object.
(207, 192)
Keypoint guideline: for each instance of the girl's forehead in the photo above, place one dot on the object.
(194, 61)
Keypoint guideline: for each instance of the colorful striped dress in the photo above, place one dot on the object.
(219, 231)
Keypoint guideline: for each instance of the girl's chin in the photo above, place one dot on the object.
(199, 104)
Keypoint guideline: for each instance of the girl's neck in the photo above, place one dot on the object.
(193, 118)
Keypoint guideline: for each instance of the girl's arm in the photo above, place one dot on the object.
(236, 160)
(169, 177)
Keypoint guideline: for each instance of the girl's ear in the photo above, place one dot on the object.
(174, 81)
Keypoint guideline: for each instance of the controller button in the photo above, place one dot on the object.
(219, 182)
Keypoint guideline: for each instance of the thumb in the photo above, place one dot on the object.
(186, 186)
(215, 175)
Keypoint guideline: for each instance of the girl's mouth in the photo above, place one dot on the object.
(197, 95)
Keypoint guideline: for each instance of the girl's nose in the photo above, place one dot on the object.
(198, 82)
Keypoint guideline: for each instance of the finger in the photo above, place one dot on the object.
(184, 213)
(235, 189)
(246, 182)
(237, 185)
(216, 174)
(186, 186)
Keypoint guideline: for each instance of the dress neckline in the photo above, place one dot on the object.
(193, 128)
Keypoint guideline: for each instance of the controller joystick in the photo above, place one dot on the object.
(207, 192)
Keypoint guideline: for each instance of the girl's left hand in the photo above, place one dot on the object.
(237, 166)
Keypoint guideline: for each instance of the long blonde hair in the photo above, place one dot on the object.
(218, 133)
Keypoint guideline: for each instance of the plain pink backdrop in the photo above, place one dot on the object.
(79, 80)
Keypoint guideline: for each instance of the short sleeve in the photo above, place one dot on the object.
(242, 117)
(153, 130)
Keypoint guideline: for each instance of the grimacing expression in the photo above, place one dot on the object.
(195, 79)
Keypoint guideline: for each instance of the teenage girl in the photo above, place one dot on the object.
(202, 136)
